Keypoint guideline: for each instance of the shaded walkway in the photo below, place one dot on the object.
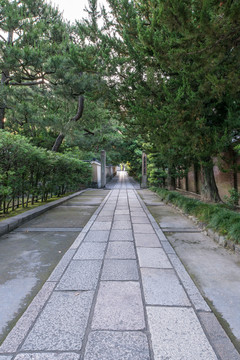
(120, 292)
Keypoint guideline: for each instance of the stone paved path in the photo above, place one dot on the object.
(119, 293)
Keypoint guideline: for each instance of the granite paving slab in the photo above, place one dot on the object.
(109, 207)
(99, 225)
(122, 225)
(121, 235)
(3, 357)
(143, 229)
(177, 334)
(104, 212)
(162, 287)
(106, 345)
(97, 236)
(104, 218)
(119, 307)
(47, 356)
(122, 207)
(120, 270)
(120, 250)
(137, 212)
(90, 251)
(153, 258)
(81, 275)
(122, 218)
(140, 220)
(62, 324)
(122, 212)
(147, 240)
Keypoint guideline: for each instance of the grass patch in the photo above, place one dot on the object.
(216, 216)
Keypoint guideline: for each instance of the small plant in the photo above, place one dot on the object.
(233, 198)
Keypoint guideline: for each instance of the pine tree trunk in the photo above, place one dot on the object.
(58, 142)
(78, 115)
(4, 77)
(187, 183)
(2, 116)
(2, 103)
(171, 180)
(209, 188)
(196, 178)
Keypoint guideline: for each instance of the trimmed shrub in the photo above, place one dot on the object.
(28, 173)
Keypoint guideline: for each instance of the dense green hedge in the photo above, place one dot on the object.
(28, 173)
(216, 216)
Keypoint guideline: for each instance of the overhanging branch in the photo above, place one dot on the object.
(3, 38)
(28, 83)
(80, 109)
(88, 132)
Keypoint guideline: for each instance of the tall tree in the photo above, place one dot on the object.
(31, 32)
(175, 64)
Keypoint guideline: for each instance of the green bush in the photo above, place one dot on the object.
(233, 198)
(216, 216)
(28, 173)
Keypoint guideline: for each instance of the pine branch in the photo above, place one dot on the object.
(29, 83)
(80, 109)
(3, 38)
(88, 132)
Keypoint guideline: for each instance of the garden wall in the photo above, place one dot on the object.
(225, 175)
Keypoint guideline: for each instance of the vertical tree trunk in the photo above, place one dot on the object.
(196, 178)
(171, 180)
(2, 117)
(179, 182)
(163, 182)
(186, 182)
(3, 101)
(209, 188)
(5, 75)
(235, 173)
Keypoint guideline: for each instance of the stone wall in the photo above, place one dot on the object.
(96, 173)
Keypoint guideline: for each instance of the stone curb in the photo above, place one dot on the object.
(10, 224)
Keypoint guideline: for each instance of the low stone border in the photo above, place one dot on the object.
(10, 224)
